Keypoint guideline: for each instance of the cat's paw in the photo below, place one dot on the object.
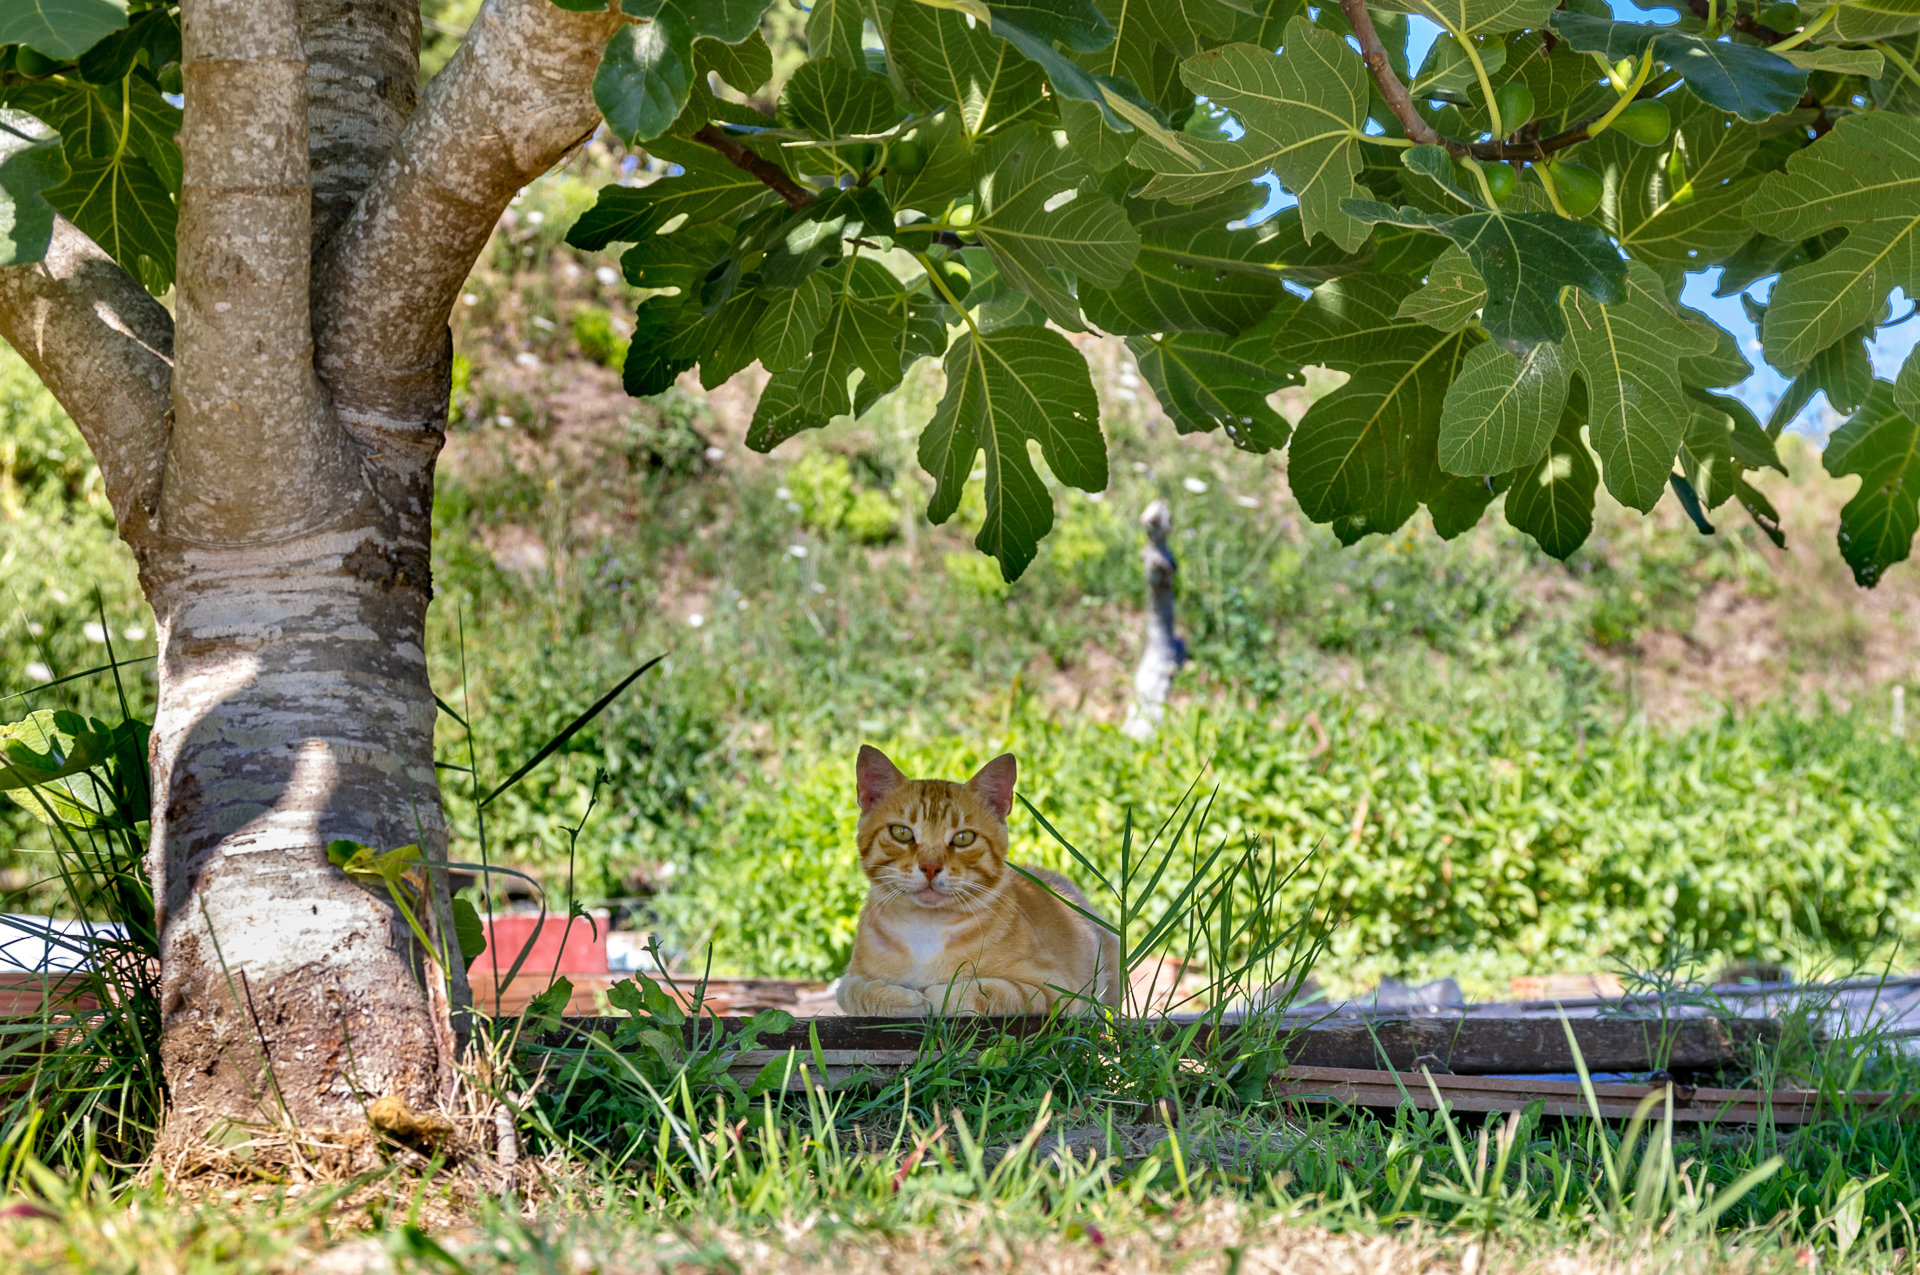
(868, 998)
(1004, 998)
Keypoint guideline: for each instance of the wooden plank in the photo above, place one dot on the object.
(23, 994)
(1383, 1091)
(1463, 1046)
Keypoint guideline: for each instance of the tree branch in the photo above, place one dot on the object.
(363, 83)
(104, 347)
(1398, 100)
(244, 387)
(514, 99)
(768, 172)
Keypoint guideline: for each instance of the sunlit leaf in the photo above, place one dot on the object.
(1552, 499)
(60, 28)
(1629, 354)
(948, 61)
(1032, 214)
(1881, 444)
(1304, 111)
(31, 161)
(1865, 175)
(1503, 410)
(1452, 295)
(1004, 388)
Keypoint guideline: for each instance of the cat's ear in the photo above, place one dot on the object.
(994, 784)
(875, 776)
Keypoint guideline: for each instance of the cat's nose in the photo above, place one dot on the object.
(932, 870)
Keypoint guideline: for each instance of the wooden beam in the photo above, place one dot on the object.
(1386, 1091)
(1463, 1046)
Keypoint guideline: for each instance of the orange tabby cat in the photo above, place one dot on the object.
(949, 927)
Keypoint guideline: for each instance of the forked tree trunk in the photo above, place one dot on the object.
(269, 450)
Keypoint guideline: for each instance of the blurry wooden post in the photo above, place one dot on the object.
(1164, 652)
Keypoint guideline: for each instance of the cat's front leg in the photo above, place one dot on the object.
(864, 997)
(1005, 998)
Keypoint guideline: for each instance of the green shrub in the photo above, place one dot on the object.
(830, 501)
(593, 332)
(871, 517)
(1480, 849)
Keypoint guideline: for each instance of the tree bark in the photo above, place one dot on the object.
(277, 493)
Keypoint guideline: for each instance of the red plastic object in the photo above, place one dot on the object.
(585, 951)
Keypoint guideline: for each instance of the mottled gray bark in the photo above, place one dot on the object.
(104, 347)
(511, 103)
(363, 81)
(278, 493)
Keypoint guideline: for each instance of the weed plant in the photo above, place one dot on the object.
(80, 1077)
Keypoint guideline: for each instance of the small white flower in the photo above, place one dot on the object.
(1126, 396)
(35, 628)
(607, 276)
(1129, 380)
(527, 359)
(696, 619)
(134, 633)
(58, 594)
(715, 455)
(781, 493)
(797, 551)
(1193, 485)
(742, 604)
(1095, 496)
(469, 299)
(39, 672)
(94, 632)
(1246, 502)
(817, 587)
(535, 217)
(503, 421)
(544, 324)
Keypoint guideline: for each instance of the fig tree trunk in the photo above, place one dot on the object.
(268, 447)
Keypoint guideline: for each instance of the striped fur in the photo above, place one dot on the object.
(951, 928)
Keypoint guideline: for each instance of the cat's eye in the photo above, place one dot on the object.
(901, 833)
(962, 839)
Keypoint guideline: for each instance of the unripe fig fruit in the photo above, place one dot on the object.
(34, 64)
(907, 157)
(1501, 180)
(1515, 101)
(1783, 17)
(954, 275)
(1645, 122)
(1578, 186)
(960, 215)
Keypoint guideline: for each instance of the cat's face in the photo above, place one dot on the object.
(936, 843)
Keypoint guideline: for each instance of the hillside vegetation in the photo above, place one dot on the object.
(1501, 764)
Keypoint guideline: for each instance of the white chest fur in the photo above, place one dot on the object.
(927, 942)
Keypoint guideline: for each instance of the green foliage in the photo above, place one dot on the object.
(594, 333)
(116, 172)
(822, 485)
(1438, 839)
(83, 1069)
(1090, 167)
